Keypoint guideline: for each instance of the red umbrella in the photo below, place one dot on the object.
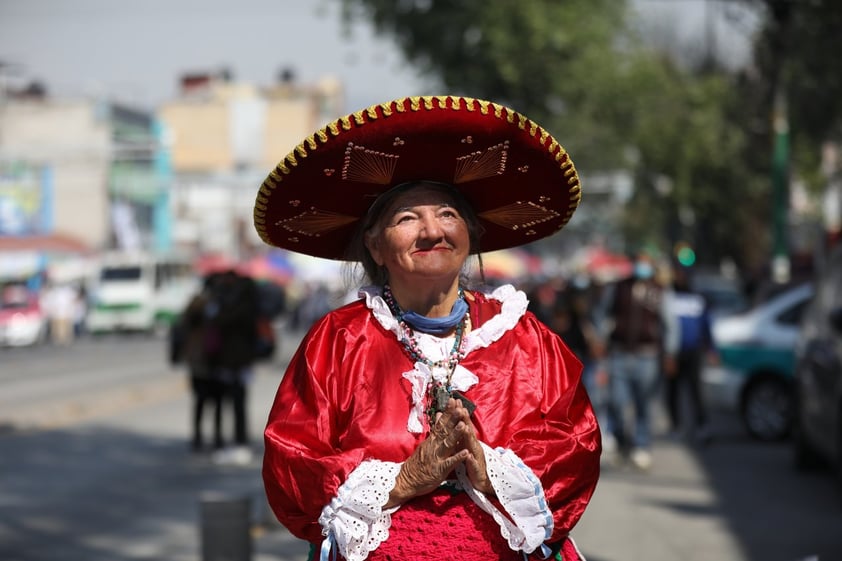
(606, 265)
(210, 263)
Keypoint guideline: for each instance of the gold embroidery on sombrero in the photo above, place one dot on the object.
(520, 214)
(371, 112)
(387, 109)
(479, 164)
(314, 222)
(368, 166)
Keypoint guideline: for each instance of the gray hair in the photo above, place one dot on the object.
(358, 253)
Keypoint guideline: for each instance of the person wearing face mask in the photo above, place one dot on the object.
(434, 417)
(635, 322)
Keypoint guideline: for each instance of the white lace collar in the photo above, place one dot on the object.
(514, 304)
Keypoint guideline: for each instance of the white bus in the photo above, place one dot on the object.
(138, 292)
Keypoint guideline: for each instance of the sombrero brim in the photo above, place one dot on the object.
(519, 180)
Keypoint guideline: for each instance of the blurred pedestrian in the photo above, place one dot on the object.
(189, 339)
(60, 302)
(544, 300)
(81, 311)
(233, 316)
(575, 323)
(635, 346)
(688, 342)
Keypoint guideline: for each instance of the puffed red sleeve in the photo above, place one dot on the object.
(564, 449)
(540, 410)
(304, 464)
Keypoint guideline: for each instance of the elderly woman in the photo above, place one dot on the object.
(431, 418)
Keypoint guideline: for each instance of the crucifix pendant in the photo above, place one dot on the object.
(440, 396)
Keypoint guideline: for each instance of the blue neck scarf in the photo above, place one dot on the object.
(433, 326)
(438, 326)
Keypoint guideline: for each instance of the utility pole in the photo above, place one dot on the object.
(781, 11)
(780, 189)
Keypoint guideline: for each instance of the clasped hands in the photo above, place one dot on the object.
(452, 441)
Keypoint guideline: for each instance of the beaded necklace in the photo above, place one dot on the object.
(437, 392)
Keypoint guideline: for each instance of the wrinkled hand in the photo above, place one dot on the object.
(436, 457)
(475, 463)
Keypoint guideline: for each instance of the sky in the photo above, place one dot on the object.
(134, 51)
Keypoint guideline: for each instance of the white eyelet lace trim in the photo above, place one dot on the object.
(521, 494)
(355, 519)
(514, 305)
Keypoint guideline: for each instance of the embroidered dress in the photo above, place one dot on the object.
(351, 408)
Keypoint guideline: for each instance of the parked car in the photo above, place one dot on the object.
(22, 322)
(818, 374)
(757, 360)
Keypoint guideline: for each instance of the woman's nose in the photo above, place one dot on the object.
(430, 227)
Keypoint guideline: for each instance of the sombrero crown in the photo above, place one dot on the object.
(519, 180)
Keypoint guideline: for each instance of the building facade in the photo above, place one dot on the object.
(223, 139)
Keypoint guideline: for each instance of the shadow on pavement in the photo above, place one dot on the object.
(102, 494)
(776, 512)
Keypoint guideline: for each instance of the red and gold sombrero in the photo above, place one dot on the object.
(519, 180)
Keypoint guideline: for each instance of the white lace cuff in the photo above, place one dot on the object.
(520, 493)
(354, 520)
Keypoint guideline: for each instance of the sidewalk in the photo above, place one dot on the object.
(667, 513)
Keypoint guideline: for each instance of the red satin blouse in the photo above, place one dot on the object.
(343, 400)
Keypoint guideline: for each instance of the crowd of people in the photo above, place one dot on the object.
(640, 338)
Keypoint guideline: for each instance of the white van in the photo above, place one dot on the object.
(138, 292)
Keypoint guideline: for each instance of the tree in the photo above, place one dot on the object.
(579, 68)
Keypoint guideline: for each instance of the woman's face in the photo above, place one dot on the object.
(420, 235)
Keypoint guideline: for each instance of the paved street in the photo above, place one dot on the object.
(95, 466)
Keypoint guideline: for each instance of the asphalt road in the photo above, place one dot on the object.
(94, 465)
